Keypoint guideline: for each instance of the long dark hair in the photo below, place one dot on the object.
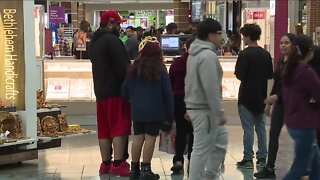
(292, 38)
(149, 65)
(303, 45)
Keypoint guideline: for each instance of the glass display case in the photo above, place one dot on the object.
(230, 84)
(68, 80)
(71, 80)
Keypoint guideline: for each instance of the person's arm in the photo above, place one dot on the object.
(129, 46)
(171, 73)
(119, 56)
(211, 84)
(311, 83)
(125, 90)
(270, 67)
(167, 96)
(241, 67)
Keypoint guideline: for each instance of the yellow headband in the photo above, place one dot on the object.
(146, 40)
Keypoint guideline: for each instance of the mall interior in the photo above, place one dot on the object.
(48, 126)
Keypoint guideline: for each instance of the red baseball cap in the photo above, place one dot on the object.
(112, 17)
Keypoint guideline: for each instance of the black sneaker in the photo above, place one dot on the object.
(261, 163)
(148, 175)
(135, 171)
(177, 167)
(265, 173)
(248, 164)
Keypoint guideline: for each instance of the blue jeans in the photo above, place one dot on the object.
(307, 157)
(251, 122)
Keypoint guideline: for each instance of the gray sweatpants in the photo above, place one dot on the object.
(209, 147)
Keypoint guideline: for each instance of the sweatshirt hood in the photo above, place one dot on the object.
(199, 45)
(299, 71)
(100, 32)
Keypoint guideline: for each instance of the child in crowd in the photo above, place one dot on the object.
(147, 87)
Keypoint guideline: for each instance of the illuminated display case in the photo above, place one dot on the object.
(230, 84)
(68, 80)
(71, 80)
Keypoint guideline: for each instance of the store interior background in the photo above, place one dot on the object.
(231, 14)
(68, 81)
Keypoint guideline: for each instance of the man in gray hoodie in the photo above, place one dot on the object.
(203, 98)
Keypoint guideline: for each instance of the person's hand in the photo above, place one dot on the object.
(267, 110)
(187, 117)
(222, 121)
(166, 126)
(271, 99)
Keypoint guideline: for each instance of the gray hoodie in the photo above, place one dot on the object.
(203, 79)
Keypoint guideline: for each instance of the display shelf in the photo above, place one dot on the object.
(48, 139)
(19, 142)
(47, 110)
(68, 71)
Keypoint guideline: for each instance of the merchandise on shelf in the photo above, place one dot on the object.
(12, 124)
(50, 126)
(6, 107)
(63, 122)
(39, 129)
(41, 103)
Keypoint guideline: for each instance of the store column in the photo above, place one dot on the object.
(280, 25)
(74, 14)
(181, 14)
(313, 15)
(81, 12)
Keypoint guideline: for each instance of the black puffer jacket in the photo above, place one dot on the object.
(109, 64)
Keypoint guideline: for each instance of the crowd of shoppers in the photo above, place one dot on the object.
(190, 95)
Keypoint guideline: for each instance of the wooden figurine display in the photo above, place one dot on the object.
(11, 123)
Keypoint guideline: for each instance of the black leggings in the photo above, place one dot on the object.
(184, 134)
(275, 130)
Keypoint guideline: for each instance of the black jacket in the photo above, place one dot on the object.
(315, 61)
(109, 64)
(277, 75)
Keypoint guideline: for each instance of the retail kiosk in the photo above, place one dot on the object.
(21, 75)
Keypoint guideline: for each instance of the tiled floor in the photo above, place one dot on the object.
(79, 158)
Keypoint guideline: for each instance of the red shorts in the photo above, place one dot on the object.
(113, 118)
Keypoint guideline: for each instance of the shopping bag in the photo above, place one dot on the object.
(167, 140)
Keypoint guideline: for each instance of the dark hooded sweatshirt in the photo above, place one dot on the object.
(299, 113)
(109, 60)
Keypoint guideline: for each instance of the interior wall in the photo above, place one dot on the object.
(129, 6)
(92, 8)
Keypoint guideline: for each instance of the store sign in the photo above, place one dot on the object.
(259, 15)
(12, 62)
(256, 15)
(57, 15)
